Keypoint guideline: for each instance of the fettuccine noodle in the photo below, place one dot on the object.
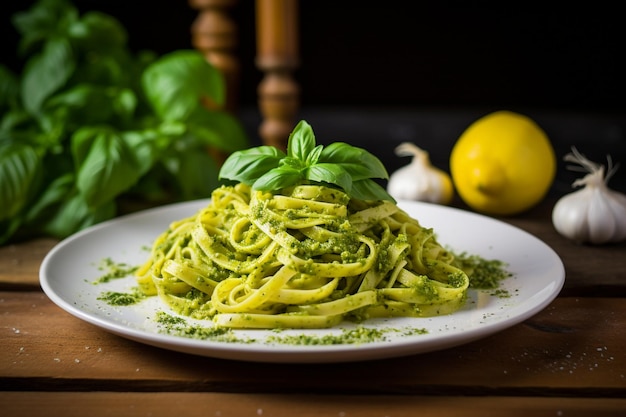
(308, 258)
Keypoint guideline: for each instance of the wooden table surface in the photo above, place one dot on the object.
(568, 360)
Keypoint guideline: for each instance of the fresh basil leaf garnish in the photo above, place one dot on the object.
(339, 165)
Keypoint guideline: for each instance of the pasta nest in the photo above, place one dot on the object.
(309, 257)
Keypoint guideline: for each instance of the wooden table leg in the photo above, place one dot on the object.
(214, 34)
(277, 57)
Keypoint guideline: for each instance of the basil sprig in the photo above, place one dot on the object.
(349, 168)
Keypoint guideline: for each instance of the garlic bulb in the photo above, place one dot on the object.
(594, 214)
(419, 180)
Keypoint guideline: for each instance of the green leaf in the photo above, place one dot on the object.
(147, 148)
(124, 101)
(19, 173)
(357, 161)
(81, 143)
(91, 104)
(196, 173)
(175, 84)
(9, 88)
(53, 128)
(75, 214)
(18, 125)
(294, 163)
(106, 165)
(98, 32)
(248, 165)
(106, 70)
(217, 129)
(330, 173)
(172, 128)
(369, 190)
(278, 178)
(46, 73)
(45, 19)
(301, 141)
(53, 196)
(313, 156)
(87, 103)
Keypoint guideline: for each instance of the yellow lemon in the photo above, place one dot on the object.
(503, 164)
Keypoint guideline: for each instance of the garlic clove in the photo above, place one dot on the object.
(600, 219)
(594, 214)
(420, 180)
(398, 186)
(569, 216)
(617, 204)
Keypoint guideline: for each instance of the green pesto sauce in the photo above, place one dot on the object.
(178, 326)
(426, 289)
(456, 280)
(113, 270)
(483, 274)
(500, 293)
(357, 336)
(121, 298)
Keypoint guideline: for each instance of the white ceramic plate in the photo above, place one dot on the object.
(69, 270)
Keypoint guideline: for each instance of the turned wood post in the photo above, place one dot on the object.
(277, 57)
(215, 35)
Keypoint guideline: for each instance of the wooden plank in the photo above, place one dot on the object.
(20, 262)
(574, 346)
(167, 404)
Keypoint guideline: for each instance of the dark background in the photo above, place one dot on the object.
(373, 53)
(378, 73)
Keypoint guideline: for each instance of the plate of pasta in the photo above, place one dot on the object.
(302, 257)
(95, 273)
